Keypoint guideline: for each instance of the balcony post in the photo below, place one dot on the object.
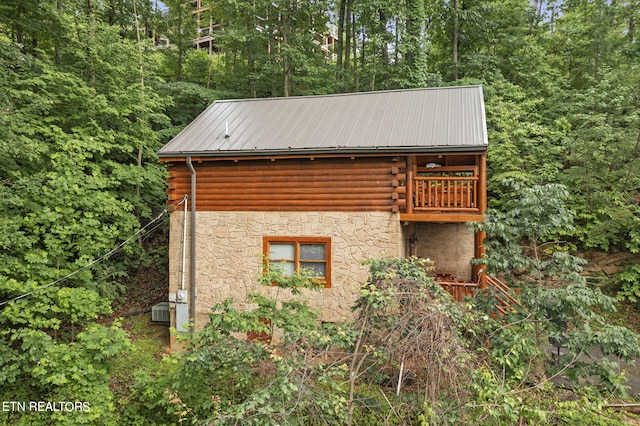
(482, 183)
(410, 173)
(482, 206)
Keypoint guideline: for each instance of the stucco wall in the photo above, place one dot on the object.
(229, 250)
(449, 245)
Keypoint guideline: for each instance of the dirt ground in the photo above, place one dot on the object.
(603, 264)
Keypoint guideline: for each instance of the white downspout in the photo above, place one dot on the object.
(184, 242)
(192, 251)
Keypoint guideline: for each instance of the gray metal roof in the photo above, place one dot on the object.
(418, 120)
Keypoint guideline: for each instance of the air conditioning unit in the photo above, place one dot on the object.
(160, 312)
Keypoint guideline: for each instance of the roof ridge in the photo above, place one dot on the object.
(332, 95)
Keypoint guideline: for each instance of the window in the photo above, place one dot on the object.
(291, 254)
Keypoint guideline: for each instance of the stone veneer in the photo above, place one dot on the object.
(229, 254)
(449, 245)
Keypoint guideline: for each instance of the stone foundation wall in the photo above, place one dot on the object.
(229, 254)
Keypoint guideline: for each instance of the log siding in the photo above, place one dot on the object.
(302, 184)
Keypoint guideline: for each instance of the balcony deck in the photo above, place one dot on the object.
(444, 194)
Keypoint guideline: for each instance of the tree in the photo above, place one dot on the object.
(602, 163)
(181, 30)
(272, 48)
(523, 243)
(79, 173)
(35, 26)
(409, 332)
(221, 378)
(525, 145)
(589, 37)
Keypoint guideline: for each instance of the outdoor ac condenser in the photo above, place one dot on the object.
(160, 312)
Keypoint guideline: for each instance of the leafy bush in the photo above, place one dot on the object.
(558, 303)
(629, 281)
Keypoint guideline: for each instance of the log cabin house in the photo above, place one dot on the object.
(324, 182)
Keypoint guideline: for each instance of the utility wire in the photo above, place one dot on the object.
(101, 258)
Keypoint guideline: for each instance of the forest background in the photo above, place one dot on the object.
(89, 91)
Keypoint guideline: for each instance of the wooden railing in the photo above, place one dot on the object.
(505, 300)
(459, 291)
(446, 193)
(504, 295)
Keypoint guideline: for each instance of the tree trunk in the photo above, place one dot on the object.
(631, 33)
(58, 50)
(384, 50)
(355, 49)
(409, 30)
(363, 60)
(180, 42)
(142, 117)
(340, 50)
(347, 41)
(396, 51)
(536, 16)
(286, 63)
(251, 63)
(90, 37)
(454, 40)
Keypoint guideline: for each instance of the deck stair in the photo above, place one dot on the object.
(505, 300)
(505, 296)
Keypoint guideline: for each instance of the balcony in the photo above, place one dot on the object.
(446, 194)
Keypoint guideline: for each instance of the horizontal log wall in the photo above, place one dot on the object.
(321, 184)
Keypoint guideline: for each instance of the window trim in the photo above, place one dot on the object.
(296, 241)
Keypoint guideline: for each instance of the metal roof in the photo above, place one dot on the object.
(419, 120)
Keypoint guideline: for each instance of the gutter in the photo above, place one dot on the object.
(192, 251)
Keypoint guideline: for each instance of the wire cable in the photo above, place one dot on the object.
(101, 258)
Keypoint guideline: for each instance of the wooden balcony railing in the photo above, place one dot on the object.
(445, 189)
(446, 193)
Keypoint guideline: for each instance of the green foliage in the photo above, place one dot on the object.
(602, 165)
(524, 146)
(73, 194)
(465, 366)
(86, 99)
(499, 404)
(42, 369)
(272, 274)
(589, 414)
(310, 373)
(78, 175)
(558, 302)
(520, 233)
(406, 320)
(188, 100)
(266, 48)
(629, 281)
(223, 379)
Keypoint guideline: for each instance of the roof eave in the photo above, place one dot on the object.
(326, 151)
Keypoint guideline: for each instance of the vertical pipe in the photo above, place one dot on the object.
(192, 251)
(184, 242)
